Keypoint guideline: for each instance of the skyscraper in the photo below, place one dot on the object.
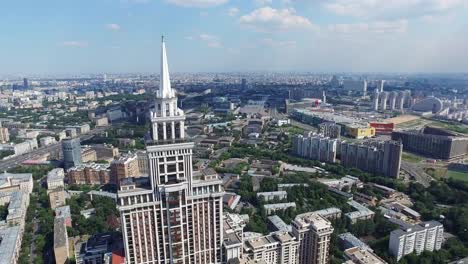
(25, 83)
(176, 218)
(314, 235)
(71, 152)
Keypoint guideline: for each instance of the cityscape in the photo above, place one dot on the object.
(249, 165)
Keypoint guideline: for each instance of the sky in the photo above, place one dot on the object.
(123, 36)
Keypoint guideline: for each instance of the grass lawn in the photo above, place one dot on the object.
(458, 175)
(411, 157)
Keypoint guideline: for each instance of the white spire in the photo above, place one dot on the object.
(165, 90)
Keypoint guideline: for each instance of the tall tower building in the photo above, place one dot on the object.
(71, 152)
(176, 217)
(314, 234)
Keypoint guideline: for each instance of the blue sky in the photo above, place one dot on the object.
(110, 36)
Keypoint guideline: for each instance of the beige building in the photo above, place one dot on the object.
(57, 198)
(4, 135)
(278, 247)
(88, 155)
(61, 252)
(358, 255)
(105, 151)
(175, 218)
(124, 167)
(314, 234)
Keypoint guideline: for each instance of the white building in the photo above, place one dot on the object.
(315, 147)
(361, 213)
(417, 238)
(268, 196)
(233, 234)
(271, 208)
(176, 218)
(55, 178)
(278, 247)
(45, 141)
(16, 181)
(314, 233)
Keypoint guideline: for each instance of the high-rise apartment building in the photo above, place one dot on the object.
(177, 218)
(374, 157)
(314, 234)
(4, 135)
(316, 148)
(330, 129)
(71, 152)
(278, 247)
(417, 238)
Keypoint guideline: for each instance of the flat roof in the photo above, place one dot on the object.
(8, 241)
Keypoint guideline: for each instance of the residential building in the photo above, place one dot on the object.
(65, 213)
(98, 247)
(61, 251)
(313, 233)
(278, 247)
(16, 181)
(361, 213)
(71, 152)
(4, 135)
(275, 223)
(316, 148)
(105, 151)
(358, 255)
(426, 236)
(181, 215)
(55, 178)
(124, 167)
(91, 173)
(10, 243)
(88, 155)
(375, 157)
(268, 196)
(271, 208)
(233, 229)
(330, 130)
(57, 198)
(45, 141)
(348, 241)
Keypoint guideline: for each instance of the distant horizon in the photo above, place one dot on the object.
(18, 77)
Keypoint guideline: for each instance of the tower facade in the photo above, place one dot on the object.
(176, 217)
(71, 149)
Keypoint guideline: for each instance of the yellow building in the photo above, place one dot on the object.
(359, 131)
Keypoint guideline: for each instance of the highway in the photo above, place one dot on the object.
(17, 160)
(417, 173)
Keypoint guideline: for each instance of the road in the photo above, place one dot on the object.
(417, 173)
(15, 161)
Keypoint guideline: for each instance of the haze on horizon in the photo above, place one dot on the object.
(53, 36)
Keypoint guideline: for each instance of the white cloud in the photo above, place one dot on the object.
(267, 19)
(233, 11)
(389, 8)
(198, 3)
(262, 2)
(113, 27)
(74, 44)
(380, 27)
(275, 43)
(210, 40)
